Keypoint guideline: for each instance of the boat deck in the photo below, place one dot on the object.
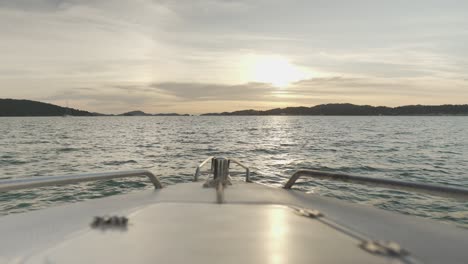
(256, 224)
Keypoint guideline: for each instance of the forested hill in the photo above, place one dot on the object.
(13, 107)
(359, 110)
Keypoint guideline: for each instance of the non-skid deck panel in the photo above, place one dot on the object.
(432, 242)
(211, 233)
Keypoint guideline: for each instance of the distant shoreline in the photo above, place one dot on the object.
(116, 116)
(28, 108)
(97, 116)
(355, 110)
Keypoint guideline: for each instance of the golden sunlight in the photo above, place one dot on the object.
(277, 70)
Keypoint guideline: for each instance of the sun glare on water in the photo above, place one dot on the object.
(277, 70)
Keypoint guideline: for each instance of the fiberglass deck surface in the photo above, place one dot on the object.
(182, 222)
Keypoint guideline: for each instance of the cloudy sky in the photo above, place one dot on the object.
(201, 56)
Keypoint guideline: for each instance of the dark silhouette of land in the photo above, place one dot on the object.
(356, 110)
(141, 113)
(135, 113)
(13, 107)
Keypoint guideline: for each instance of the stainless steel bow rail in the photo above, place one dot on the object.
(247, 170)
(32, 182)
(221, 177)
(212, 159)
(433, 189)
(197, 172)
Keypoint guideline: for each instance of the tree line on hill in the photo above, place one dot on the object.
(355, 110)
(13, 107)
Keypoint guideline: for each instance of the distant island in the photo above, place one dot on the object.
(355, 110)
(141, 113)
(14, 107)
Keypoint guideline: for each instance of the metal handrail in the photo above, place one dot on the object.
(197, 172)
(433, 189)
(247, 170)
(32, 182)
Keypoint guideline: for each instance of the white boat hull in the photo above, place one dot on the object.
(184, 223)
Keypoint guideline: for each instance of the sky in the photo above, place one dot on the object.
(198, 56)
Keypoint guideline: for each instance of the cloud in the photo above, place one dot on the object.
(306, 88)
(34, 6)
(319, 90)
(107, 100)
(186, 97)
(410, 87)
(187, 55)
(210, 91)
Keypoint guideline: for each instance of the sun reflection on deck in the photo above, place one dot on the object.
(277, 243)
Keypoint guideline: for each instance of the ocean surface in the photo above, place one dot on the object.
(422, 149)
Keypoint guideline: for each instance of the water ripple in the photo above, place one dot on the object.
(422, 149)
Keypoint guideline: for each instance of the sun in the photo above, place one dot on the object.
(273, 69)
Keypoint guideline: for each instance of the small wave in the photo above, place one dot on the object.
(145, 145)
(288, 144)
(188, 141)
(275, 148)
(34, 142)
(368, 168)
(406, 174)
(67, 149)
(13, 162)
(404, 133)
(266, 151)
(119, 162)
(449, 152)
